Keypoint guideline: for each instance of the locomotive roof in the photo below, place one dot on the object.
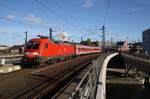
(41, 40)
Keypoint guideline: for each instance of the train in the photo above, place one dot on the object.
(44, 50)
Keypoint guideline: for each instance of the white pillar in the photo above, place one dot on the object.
(3, 61)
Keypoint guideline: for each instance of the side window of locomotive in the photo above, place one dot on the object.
(46, 45)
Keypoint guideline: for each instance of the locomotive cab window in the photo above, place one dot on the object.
(46, 45)
(33, 45)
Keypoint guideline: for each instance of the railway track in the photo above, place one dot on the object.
(43, 82)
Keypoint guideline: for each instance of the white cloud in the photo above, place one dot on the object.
(87, 3)
(2, 30)
(9, 17)
(29, 19)
(32, 19)
(134, 9)
(146, 2)
(8, 31)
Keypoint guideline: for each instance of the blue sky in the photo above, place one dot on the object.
(76, 17)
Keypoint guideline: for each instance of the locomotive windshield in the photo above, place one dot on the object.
(33, 45)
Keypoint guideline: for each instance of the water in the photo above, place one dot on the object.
(127, 91)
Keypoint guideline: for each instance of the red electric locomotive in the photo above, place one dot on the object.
(41, 50)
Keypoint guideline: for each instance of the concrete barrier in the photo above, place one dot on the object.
(2, 61)
(9, 68)
(101, 89)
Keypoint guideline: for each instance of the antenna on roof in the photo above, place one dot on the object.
(50, 34)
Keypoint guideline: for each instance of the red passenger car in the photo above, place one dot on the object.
(84, 49)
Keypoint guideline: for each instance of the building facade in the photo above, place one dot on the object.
(3, 47)
(146, 41)
(123, 46)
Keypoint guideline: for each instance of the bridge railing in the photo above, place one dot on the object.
(140, 56)
(93, 84)
(4, 59)
(11, 56)
(146, 57)
(87, 86)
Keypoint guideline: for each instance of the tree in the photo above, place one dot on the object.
(97, 43)
(88, 41)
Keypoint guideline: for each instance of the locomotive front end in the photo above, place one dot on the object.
(32, 52)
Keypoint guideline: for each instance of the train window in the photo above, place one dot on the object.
(32, 45)
(46, 45)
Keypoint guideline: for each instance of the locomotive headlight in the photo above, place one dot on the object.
(27, 53)
(32, 53)
(35, 53)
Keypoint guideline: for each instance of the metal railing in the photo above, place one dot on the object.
(87, 87)
(142, 57)
(7, 59)
(11, 56)
(93, 84)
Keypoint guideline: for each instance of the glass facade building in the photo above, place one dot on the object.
(146, 41)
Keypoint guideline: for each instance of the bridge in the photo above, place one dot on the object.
(96, 84)
(83, 83)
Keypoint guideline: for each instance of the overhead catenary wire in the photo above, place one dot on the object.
(21, 22)
(50, 10)
(18, 12)
(15, 21)
(18, 22)
(106, 12)
(105, 19)
(69, 15)
(22, 16)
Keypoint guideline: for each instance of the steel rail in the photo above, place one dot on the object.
(41, 90)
